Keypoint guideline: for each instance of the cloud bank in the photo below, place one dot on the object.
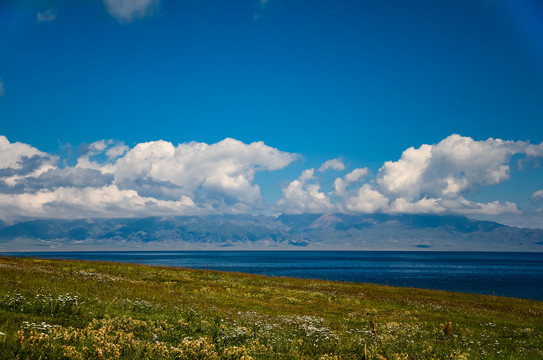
(111, 179)
(153, 178)
(432, 179)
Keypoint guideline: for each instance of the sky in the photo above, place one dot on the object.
(128, 108)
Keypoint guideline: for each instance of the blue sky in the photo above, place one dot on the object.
(357, 81)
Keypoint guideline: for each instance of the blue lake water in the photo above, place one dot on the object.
(505, 274)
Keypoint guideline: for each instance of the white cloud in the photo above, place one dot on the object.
(153, 178)
(455, 166)
(422, 206)
(116, 151)
(158, 177)
(459, 205)
(98, 146)
(303, 195)
(537, 196)
(356, 175)
(89, 151)
(366, 200)
(2, 91)
(128, 10)
(225, 169)
(46, 16)
(404, 176)
(435, 178)
(490, 208)
(432, 179)
(334, 164)
(341, 184)
(22, 158)
(105, 201)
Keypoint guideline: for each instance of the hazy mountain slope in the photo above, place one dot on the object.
(311, 231)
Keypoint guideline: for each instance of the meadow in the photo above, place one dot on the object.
(62, 309)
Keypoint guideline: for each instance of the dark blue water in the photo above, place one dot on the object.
(505, 274)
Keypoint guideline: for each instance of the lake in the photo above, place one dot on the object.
(504, 274)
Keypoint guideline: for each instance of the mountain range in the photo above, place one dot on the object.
(238, 232)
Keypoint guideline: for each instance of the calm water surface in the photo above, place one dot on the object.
(505, 274)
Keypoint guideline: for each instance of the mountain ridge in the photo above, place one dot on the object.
(302, 231)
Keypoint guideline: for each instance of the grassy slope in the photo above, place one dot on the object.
(79, 309)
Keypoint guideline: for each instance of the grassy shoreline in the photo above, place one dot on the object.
(85, 309)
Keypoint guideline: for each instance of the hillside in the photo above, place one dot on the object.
(81, 310)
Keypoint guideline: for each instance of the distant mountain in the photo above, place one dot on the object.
(305, 231)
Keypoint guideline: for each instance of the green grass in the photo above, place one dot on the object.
(82, 309)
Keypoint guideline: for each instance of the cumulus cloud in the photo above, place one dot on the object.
(92, 156)
(334, 164)
(224, 171)
(21, 159)
(105, 201)
(304, 195)
(2, 91)
(126, 11)
(455, 166)
(46, 16)
(158, 177)
(57, 178)
(152, 178)
(341, 184)
(436, 178)
(116, 151)
(537, 196)
(429, 179)
(366, 200)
